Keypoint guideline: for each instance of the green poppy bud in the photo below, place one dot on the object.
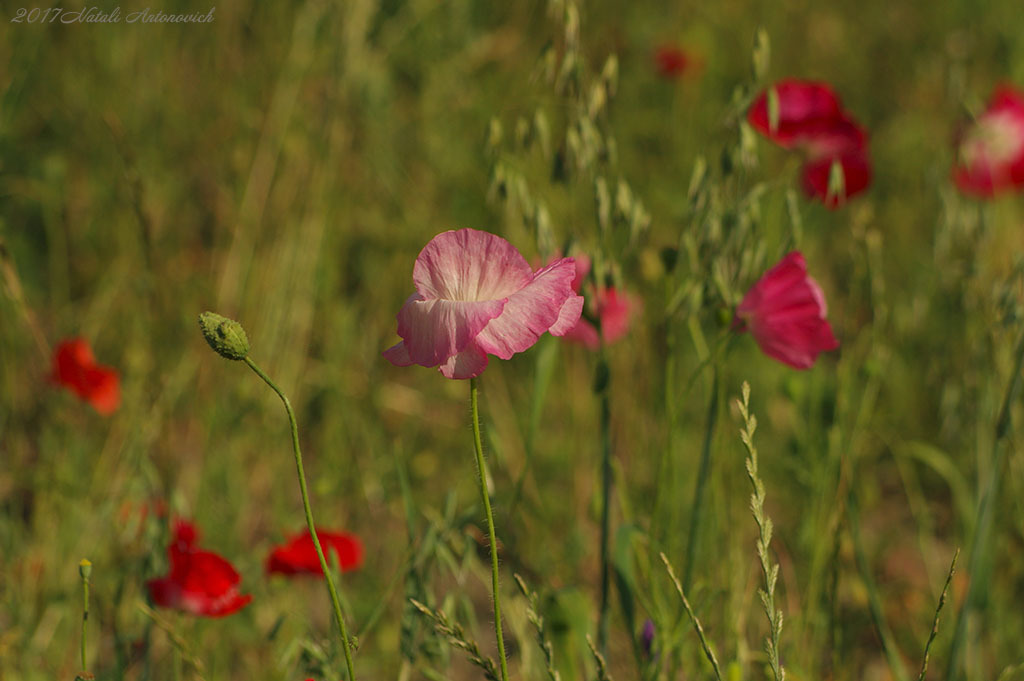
(225, 336)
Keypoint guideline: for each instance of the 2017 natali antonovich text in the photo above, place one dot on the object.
(94, 15)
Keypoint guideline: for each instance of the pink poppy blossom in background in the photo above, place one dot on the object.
(614, 309)
(856, 169)
(477, 296)
(785, 312)
(75, 368)
(200, 582)
(805, 107)
(812, 120)
(298, 555)
(990, 157)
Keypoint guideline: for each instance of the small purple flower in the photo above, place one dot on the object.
(647, 637)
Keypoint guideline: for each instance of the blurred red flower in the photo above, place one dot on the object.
(298, 556)
(671, 61)
(614, 309)
(75, 368)
(785, 312)
(200, 582)
(990, 156)
(808, 116)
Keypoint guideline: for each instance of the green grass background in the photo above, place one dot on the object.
(284, 164)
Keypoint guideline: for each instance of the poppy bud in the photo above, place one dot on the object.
(225, 336)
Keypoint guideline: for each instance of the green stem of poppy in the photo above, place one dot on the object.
(309, 518)
(601, 382)
(481, 467)
(85, 570)
(696, 512)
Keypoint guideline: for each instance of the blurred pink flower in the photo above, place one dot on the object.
(476, 295)
(991, 150)
(811, 119)
(785, 312)
(613, 308)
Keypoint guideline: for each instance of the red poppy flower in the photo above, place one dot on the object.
(785, 312)
(75, 368)
(671, 61)
(200, 582)
(991, 151)
(810, 118)
(298, 556)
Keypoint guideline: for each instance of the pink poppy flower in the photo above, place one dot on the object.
(613, 308)
(200, 582)
(811, 119)
(298, 555)
(477, 296)
(991, 151)
(785, 312)
(805, 107)
(75, 368)
(671, 61)
(817, 172)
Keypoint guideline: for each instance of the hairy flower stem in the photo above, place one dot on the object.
(309, 517)
(481, 467)
(601, 382)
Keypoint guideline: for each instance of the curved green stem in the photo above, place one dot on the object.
(309, 517)
(481, 467)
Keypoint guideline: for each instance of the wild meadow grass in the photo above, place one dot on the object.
(284, 165)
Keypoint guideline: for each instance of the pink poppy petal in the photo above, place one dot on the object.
(469, 363)
(616, 311)
(469, 265)
(398, 355)
(568, 316)
(991, 152)
(584, 333)
(532, 311)
(436, 329)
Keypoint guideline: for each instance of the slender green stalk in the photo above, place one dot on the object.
(983, 521)
(935, 621)
(708, 651)
(309, 517)
(85, 571)
(481, 467)
(696, 512)
(601, 381)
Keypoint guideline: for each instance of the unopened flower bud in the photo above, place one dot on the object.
(85, 568)
(225, 336)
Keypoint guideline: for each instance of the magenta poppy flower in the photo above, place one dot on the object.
(75, 368)
(991, 151)
(615, 310)
(200, 582)
(804, 108)
(477, 296)
(785, 312)
(811, 119)
(856, 169)
(298, 555)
